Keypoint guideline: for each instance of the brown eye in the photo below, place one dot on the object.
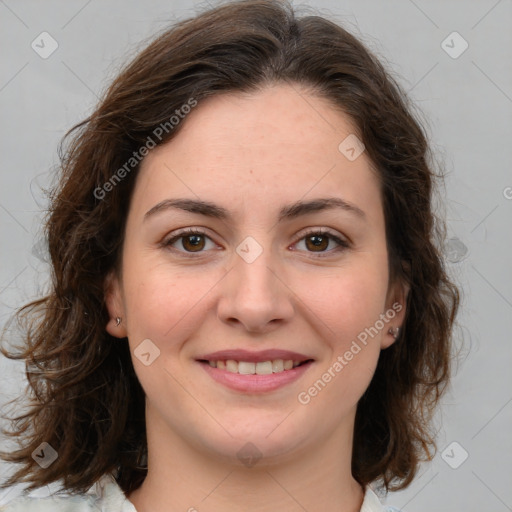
(193, 242)
(188, 241)
(320, 242)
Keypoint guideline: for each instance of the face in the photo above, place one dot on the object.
(258, 281)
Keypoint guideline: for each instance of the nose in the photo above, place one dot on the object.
(255, 295)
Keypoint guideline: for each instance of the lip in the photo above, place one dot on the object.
(253, 357)
(256, 383)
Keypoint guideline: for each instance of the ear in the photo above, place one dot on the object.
(115, 306)
(396, 301)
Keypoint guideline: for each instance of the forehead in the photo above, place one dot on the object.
(281, 113)
(276, 145)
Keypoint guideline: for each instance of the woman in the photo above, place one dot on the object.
(249, 308)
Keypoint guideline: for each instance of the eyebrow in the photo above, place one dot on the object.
(287, 212)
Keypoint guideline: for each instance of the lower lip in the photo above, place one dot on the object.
(255, 383)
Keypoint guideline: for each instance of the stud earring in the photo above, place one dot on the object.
(118, 321)
(394, 332)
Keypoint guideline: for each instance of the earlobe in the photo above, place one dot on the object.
(115, 327)
(113, 300)
(395, 311)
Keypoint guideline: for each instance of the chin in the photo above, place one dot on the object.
(265, 441)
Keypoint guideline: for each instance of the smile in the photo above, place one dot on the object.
(254, 378)
(254, 372)
(253, 368)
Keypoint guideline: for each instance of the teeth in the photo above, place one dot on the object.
(264, 368)
(277, 365)
(260, 368)
(231, 366)
(246, 368)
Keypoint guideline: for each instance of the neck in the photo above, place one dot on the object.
(182, 478)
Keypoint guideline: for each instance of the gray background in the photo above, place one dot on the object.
(468, 103)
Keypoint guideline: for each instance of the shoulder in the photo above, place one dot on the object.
(105, 495)
(371, 503)
(50, 504)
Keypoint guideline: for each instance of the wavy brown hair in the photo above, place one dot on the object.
(85, 399)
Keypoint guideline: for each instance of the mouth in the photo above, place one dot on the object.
(255, 372)
(255, 368)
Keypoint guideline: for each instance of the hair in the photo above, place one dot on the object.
(85, 399)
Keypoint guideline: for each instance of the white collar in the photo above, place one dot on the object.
(107, 488)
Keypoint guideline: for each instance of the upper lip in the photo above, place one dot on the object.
(253, 357)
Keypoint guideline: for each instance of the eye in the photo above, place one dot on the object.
(192, 240)
(317, 241)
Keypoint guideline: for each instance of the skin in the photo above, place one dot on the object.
(252, 154)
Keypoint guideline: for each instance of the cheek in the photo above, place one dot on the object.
(164, 303)
(162, 306)
(345, 301)
(345, 307)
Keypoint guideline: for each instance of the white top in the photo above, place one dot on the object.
(106, 496)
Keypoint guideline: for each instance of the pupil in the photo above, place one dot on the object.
(194, 241)
(318, 240)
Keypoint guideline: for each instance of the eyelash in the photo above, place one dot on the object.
(343, 244)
